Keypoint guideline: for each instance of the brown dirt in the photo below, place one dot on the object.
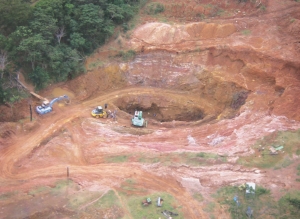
(207, 82)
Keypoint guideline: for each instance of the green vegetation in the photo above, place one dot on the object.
(95, 64)
(263, 8)
(116, 159)
(261, 202)
(264, 158)
(50, 39)
(185, 158)
(246, 32)
(62, 185)
(290, 205)
(298, 173)
(81, 198)
(152, 211)
(39, 190)
(126, 55)
(108, 200)
(154, 8)
(198, 197)
(130, 187)
(8, 195)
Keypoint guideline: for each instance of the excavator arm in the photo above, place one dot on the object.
(58, 99)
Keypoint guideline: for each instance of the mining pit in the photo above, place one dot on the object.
(212, 90)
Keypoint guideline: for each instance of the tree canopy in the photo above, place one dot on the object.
(48, 39)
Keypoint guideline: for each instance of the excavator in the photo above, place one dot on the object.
(138, 119)
(47, 107)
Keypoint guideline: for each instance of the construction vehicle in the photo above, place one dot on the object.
(138, 119)
(159, 202)
(146, 202)
(98, 112)
(47, 107)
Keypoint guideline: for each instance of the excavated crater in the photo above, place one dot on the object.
(167, 107)
(188, 91)
(169, 113)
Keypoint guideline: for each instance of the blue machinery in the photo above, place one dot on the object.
(47, 108)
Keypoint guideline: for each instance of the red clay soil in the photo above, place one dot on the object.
(210, 79)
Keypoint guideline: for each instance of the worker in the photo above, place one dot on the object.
(105, 106)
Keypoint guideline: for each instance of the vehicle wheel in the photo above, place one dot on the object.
(146, 123)
(97, 116)
(105, 116)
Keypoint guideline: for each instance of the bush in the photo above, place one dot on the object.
(155, 8)
(290, 204)
(261, 191)
(130, 54)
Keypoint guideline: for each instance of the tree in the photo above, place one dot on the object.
(35, 49)
(63, 61)
(13, 13)
(39, 77)
(90, 22)
(77, 41)
(43, 24)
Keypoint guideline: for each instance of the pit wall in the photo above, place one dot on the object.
(217, 75)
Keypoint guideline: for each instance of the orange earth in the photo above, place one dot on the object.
(208, 79)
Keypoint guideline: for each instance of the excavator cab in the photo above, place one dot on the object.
(99, 109)
(138, 119)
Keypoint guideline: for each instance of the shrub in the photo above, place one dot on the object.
(155, 8)
(130, 54)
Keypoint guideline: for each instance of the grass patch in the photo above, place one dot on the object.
(8, 195)
(263, 158)
(79, 199)
(290, 205)
(62, 185)
(96, 64)
(152, 211)
(263, 7)
(126, 55)
(210, 206)
(117, 159)
(146, 159)
(207, 155)
(108, 200)
(238, 201)
(198, 197)
(185, 158)
(39, 190)
(246, 32)
(130, 188)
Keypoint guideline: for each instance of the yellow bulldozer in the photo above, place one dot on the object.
(98, 112)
